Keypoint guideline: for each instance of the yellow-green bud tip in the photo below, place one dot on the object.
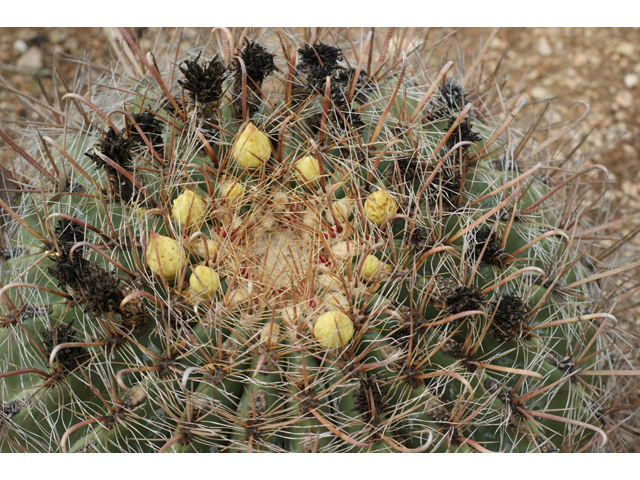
(380, 206)
(232, 192)
(252, 148)
(333, 329)
(308, 170)
(164, 256)
(204, 281)
(187, 208)
(371, 267)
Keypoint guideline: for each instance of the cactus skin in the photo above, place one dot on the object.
(474, 332)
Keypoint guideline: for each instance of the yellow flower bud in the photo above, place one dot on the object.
(371, 267)
(252, 148)
(333, 329)
(308, 170)
(188, 208)
(232, 192)
(204, 281)
(164, 256)
(380, 206)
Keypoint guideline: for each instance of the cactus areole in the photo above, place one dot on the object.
(298, 257)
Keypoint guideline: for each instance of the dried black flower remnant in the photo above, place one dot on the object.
(465, 299)
(408, 166)
(320, 54)
(203, 82)
(69, 233)
(450, 101)
(418, 239)
(367, 399)
(344, 76)
(204, 86)
(117, 148)
(258, 64)
(68, 357)
(509, 318)
(447, 294)
(493, 254)
(318, 62)
(100, 290)
(462, 133)
(453, 94)
(150, 126)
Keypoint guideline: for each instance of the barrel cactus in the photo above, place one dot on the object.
(275, 245)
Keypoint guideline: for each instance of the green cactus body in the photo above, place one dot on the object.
(474, 335)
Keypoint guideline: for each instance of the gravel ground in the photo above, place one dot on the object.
(598, 65)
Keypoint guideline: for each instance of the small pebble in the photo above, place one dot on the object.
(621, 127)
(20, 46)
(624, 98)
(59, 35)
(32, 58)
(538, 93)
(625, 48)
(543, 47)
(631, 80)
(580, 59)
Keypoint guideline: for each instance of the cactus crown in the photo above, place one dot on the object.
(302, 256)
